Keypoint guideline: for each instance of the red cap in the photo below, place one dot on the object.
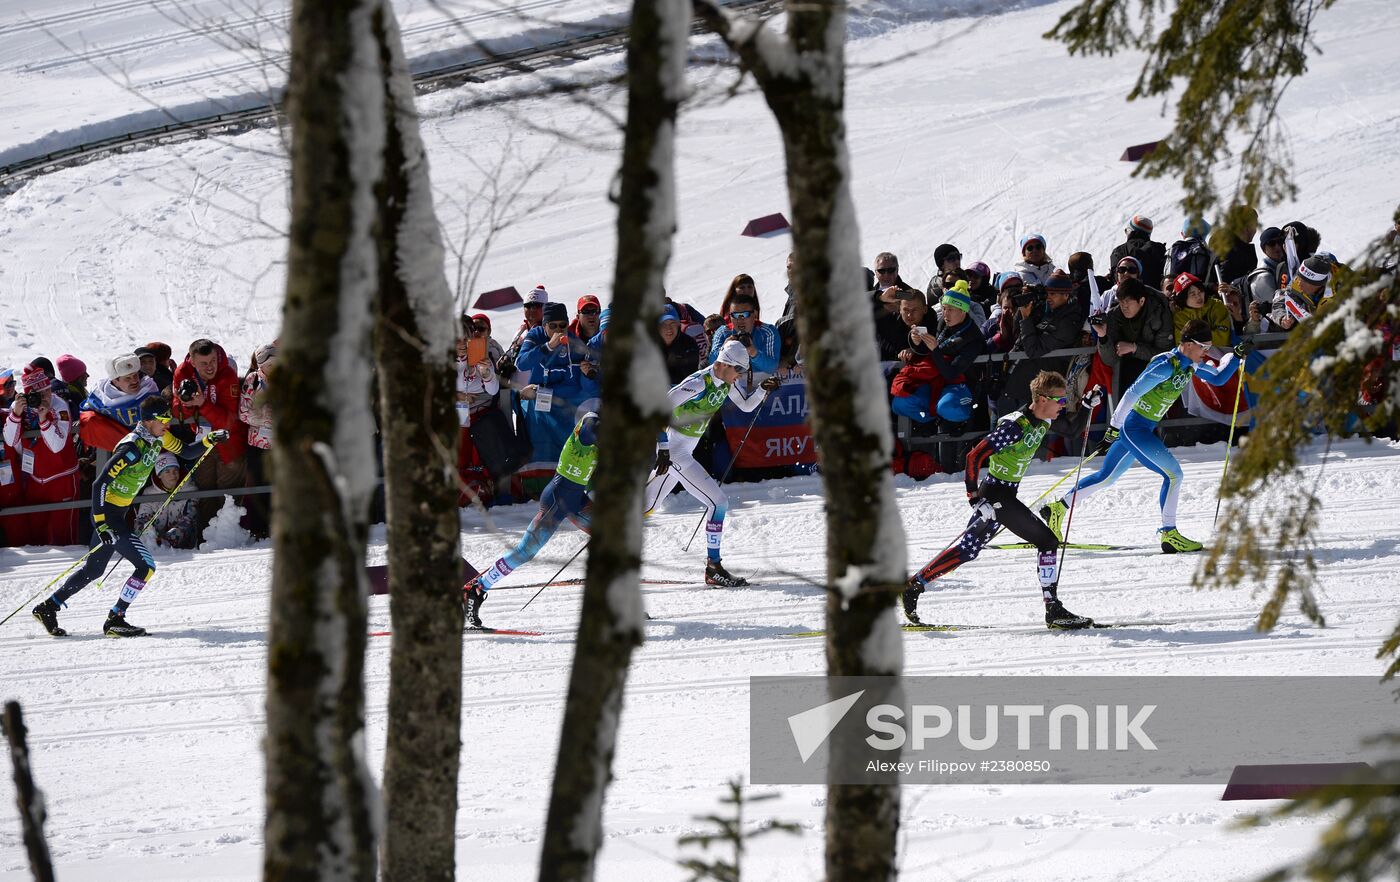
(1184, 281)
(586, 299)
(482, 317)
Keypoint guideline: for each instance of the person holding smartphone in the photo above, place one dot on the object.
(477, 387)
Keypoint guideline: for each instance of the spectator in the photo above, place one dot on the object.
(759, 340)
(1053, 325)
(1305, 293)
(1259, 285)
(207, 396)
(1035, 266)
(587, 322)
(1234, 305)
(1241, 259)
(1088, 288)
(1138, 327)
(156, 363)
(891, 333)
(1190, 254)
(740, 284)
(114, 406)
(977, 315)
(887, 276)
(71, 384)
(946, 258)
(501, 450)
(791, 303)
(10, 464)
(694, 325)
(1151, 256)
(713, 322)
(256, 413)
(677, 348)
(7, 387)
(48, 462)
(933, 382)
(554, 359)
(477, 387)
(533, 309)
(980, 288)
(1127, 268)
(1190, 302)
(1001, 329)
(176, 525)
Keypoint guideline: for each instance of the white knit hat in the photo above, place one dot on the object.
(123, 365)
(734, 353)
(539, 295)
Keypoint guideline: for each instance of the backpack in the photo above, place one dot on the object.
(1152, 255)
(1191, 256)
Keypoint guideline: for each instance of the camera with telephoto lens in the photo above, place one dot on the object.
(33, 399)
(187, 389)
(1029, 294)
(1098, 319)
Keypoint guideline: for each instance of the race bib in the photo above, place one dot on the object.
(27, 462)
(544, 399)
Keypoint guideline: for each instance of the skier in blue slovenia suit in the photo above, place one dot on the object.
(1132, 433)
(695, 400)
(564, 498)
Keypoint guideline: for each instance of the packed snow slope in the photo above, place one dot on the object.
(148, 749)
(975, 132)
(971, 130)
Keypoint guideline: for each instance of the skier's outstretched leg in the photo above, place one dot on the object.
(1148, 448)
(1018, 519)
(970, 544)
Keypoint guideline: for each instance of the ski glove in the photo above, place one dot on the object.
(218, 436)
(663, 461)
(984, 510)
(104, 532)
(771, 383)
(1092, 398)
(1108, 438)
(1244, 347)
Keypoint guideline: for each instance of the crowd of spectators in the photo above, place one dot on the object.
(956, 354)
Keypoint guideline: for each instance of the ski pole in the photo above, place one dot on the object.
(1069, 518)
(1229, 442)
(728, 468)
(556, 575)
(50, 584)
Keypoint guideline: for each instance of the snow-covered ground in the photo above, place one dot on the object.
(976, 132)
(149, 749)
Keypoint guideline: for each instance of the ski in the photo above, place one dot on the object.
(499, 632)
(564, 583)
(913, 629)
(1081, 546)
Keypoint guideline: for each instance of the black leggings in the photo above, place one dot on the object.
(1012, 513)
(128, 546)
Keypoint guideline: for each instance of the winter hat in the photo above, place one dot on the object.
(166, 461)
(483, 317)
(1059, 281)
(556, 312)
(958, 297)
(71, 369)
(1315, 269)
(1270, 236)
(1003, 278)
(980, 269)
(154, 408)
(1031, 237)
(942, 252)
(539, 295)
(1139, 223)
(264, 354)
(33, 379)
(669, 314)
(1195, 228)
(588, 300)
(733, 353)
(1136, 263)
(1184, 281)
(1081, 263)
(123, 365)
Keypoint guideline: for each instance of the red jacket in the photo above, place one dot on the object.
(220, 407)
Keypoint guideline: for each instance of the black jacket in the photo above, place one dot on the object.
(1241, 259)
(1152, 255)
(1151, 329)
(1046, 330)
(682, 357)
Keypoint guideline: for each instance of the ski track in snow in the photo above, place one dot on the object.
(179, 714)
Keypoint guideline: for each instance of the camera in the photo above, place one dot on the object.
(1098, 319)
(187, 389)
(33, 399)
(1029, 294)
(743, 337)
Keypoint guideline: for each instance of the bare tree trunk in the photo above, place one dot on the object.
(635, 408)
(321, 814)
(803, 80)
(415, 350)
(28, 795)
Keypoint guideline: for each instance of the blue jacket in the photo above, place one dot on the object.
(558, 370)
(109, 401)
(765, 340)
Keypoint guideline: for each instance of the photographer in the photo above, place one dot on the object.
(1047, 322)
(48, 464)
(1136, 329)
(207, 395)
(759, 340)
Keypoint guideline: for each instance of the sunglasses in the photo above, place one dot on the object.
(1033, 246)
(1130, 270)
(1203, 345)
(589, 311)
(953, 256)
(534, 306)
(884, 270)
(556, 326)
(1062, 401)
(747, 313)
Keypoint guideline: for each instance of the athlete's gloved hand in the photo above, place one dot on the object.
(663, 461)
(1108, 438)
(218, 436)
(984, 510)
(104, 532)
(1244, 347)
(1092, 398)
(771, 383)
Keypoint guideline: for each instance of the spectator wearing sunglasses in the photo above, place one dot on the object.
(1036, 265)
(741, 284)
(532, 307)
(553, 357)
(112, 495)
(886, 296)
(760, 341)
(1151, 256)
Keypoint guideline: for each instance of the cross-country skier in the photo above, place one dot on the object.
(565, 497)
(123, 477)
(1006, 451)
(1131, 434)
(695, 400)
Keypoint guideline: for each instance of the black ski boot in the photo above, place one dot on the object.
(716, 576)
(911, 601)
(47, 615)
(472, 599)
(116, 626)
(1057, 618)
